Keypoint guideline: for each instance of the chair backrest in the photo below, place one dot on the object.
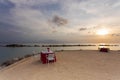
(51, 55)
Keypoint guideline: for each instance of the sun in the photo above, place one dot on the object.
(102, 32)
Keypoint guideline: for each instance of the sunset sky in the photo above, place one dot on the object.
(58, 21)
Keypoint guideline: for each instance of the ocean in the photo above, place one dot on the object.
(8, 53)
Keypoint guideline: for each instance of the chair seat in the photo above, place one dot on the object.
(51, 57)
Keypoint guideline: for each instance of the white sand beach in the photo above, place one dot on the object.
(70, 65)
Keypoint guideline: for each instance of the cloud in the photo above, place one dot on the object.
(92, 11)
(59, 21)
(54, 19)
(54, 31)
(5, 7)
(117, 34)
(82, 29)
(32, 2)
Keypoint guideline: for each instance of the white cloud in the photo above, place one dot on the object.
(79, 13)
(24, 3)
(84, 12)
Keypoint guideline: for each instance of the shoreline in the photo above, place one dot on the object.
(70, 65)
(55, 45)
(19, 59)
(16, 60)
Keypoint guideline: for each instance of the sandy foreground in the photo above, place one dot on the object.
(70, 65)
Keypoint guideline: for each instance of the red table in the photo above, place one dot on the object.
(44, 55)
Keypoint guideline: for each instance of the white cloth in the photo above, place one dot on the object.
(46, 52)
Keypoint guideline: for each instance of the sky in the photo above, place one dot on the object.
(59, 21)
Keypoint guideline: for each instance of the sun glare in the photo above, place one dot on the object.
(102, 32)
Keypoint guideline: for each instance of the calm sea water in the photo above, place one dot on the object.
(7, 53)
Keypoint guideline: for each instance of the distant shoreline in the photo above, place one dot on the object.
(52, 45)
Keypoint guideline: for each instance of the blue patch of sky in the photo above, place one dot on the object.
(6, 26)
(5, 14)
(8, 33)
(6, 6)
